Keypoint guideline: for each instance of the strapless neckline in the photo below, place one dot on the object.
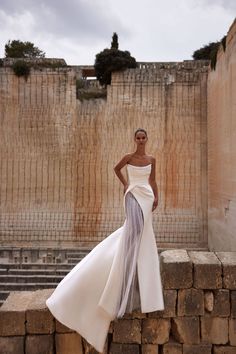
(139, 166)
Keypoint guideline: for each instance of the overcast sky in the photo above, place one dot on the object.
(152, 30)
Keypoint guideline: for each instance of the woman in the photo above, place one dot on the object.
(122, 272)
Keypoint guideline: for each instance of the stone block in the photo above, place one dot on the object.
(12, 345)
(206, 270)
(61, 328)
(135, 314)
(39, 318)
(39, 344)
(89, 349)
(224, 349)
(13, 311)
(233, 304)
(172, 348)
(118, 348)
(221, 305)
(149, 349)
(232, 331)
(186, 329)
(197, 348)
(155, 330)
(170, 297)
(176, 269)
(214, 330)
(127, 331)
(190, 302)
(68, 343)
(228, 260)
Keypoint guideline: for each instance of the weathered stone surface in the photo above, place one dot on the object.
(233, 304)
(89, 349)
(117, 348)
(155, 330)
(170, 297)
(172, 348)
(60, 328)
(127, 331)
(221, 303)
(228, 260)
(176, 269)
(68, 343)
(217, 303)
(186, 329)
(135, 314)
(208, 300)
(232, 331)
(12, 345)
(39, 344)
(39, 318)
(207, 270)
(214, 330)
(224, 349)
(197, 349)
(13, 311)
(190, 302)
(149, 349)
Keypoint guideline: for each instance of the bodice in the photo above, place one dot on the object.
(138, 174)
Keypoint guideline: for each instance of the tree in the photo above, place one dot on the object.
(114, 43)
(19, 49)
(209, 51)
(110, 60)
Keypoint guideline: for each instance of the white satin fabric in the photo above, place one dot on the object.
(119, 275)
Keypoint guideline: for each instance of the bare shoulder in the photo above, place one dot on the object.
(152, 159)
(124, 160)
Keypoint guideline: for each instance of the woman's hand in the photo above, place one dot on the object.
(125, 187)
(155, 204)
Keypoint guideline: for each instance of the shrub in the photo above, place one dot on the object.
(110, 60)
(21, 68)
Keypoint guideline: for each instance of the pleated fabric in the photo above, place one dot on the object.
(130, 243)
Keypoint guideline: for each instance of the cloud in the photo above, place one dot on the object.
(81, 20)
(156, 30)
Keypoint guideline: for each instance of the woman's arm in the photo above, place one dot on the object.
(119, 166)
(152, 181)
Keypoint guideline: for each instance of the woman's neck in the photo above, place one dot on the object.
(140, 151)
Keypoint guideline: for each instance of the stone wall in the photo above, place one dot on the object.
(222, 147)
(58, 187)
(199, 316)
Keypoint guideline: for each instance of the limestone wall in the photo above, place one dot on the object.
(58, 187)
(199, 316)
(222, 147)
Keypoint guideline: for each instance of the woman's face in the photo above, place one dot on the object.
(140, 138)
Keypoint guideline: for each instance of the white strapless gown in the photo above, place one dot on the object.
(120, 274)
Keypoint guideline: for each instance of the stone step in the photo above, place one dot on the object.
(26, 286)
(23, 279)
(37, 265)
(3, 271)
(4, 294)
(62, 272)
(73, 261)
(76, 255)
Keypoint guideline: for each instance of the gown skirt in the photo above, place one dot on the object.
(119, 275)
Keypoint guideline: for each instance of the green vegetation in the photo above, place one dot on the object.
(110, 60)
(21, 68)
(19, 49)
(209, 51)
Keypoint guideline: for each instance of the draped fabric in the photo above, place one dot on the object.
(131, 237)
(120, 274)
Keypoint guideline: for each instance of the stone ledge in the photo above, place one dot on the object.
(196, 319)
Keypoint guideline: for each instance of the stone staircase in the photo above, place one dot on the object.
(35, 275)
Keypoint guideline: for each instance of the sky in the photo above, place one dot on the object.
(151, 30)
